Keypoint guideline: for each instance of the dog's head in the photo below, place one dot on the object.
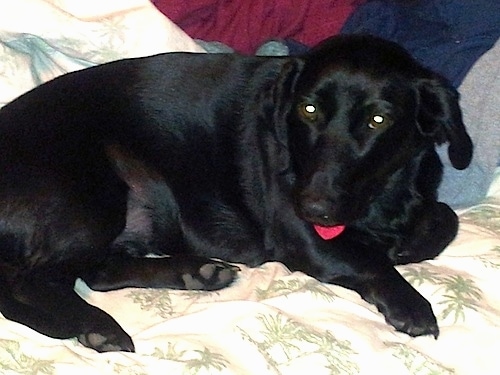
(362, 110)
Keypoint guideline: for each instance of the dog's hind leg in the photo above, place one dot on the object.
(153, 227)
(49, 234)
(54, 309)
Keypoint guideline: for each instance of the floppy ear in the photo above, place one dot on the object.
(284, 87)
(440, 117)
(273, 84)
(275, 102)
(283, 98)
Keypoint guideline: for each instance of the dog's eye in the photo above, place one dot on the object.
(378, 122)
(308, 111)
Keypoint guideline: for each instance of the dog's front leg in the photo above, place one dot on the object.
(402, 306)
(370, 273)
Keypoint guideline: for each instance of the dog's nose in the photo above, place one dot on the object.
(317, 210)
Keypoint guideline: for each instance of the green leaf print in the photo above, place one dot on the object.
(485, 215)
(460, 295)
(206, 360)
(283, 287)
(155, 300)
(12, 358)
(128, 370)
(417, 363)
(195, 361)
(283, 341)
(420, 275)
(170, 353)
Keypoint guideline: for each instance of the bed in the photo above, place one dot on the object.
(271, 321)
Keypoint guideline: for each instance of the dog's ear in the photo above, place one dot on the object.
(284, 87)
(440, 117)
(275, 103)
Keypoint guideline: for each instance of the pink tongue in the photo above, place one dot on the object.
(327, 233)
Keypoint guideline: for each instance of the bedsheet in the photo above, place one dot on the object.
(271, 321)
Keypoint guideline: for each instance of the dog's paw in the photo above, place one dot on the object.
(112, 341)
(212, 275)
(413, 316)
(414, 322)
(103, 334)
(402, 305)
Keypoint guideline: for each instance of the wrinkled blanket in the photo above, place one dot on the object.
(40, 40)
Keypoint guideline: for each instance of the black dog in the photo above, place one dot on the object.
(244, 159)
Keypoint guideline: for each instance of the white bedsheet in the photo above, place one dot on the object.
(271, 321)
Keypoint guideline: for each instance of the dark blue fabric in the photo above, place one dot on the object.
(296, 48)
(448, 36)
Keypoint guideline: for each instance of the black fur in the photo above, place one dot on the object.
(199, 156)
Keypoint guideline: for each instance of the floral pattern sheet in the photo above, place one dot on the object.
(271, 321)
